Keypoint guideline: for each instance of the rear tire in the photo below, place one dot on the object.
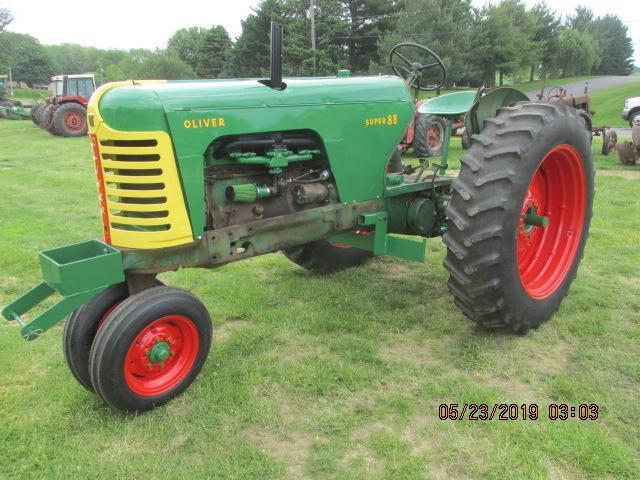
(46, 116)
(70, 120)
(151, 349)
(530, 158)
(325, 257)
(428, 137)
(35, 111)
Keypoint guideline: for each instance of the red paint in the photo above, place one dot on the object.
(558, 191)
(74, 121)
(101, 189)
(147, 379)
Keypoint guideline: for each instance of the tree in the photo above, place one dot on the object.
(616, 47)
(26, 57)
(142, 64)
(367, 21)
(577, 53)
(546, 29)
(5, 18)
(444, 26)
(185, 43)
(503, 35)
(212, 52)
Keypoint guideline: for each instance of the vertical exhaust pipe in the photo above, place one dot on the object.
(275, 81)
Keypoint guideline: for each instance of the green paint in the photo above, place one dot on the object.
(159, 352)
(77, 272)
(351, 116)
(247, 192)
(534, 220)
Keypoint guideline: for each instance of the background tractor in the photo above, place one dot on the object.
(583, 104)
(200, 174)
(65, 113)
(9, 108)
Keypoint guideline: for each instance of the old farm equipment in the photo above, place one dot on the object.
(582, 103)
(10, 108)
(203, 173)
(65, 113)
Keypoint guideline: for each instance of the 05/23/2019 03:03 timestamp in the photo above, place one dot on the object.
(517, 411)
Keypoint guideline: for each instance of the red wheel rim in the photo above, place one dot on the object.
(106, 314)
(143, 373)
(342, 245)
(435, 135)
(74, 121)
(557, 191)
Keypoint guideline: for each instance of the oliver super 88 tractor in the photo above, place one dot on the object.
(203, 173)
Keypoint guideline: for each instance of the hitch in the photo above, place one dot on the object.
(77, 272)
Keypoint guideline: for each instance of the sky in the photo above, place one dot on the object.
(128, 24)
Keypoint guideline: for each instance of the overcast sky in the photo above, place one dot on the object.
(128, 24)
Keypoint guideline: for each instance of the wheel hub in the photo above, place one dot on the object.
(159, 352)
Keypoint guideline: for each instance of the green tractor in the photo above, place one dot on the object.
(9, 108)
(199, 174)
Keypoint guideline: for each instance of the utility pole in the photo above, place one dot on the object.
(312, 17)
(10, 84)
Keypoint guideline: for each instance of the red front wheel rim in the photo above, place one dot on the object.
(558, 192)
(161, 355)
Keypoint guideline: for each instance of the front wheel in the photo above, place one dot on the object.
(151, 349)
(634, 119)
(519, 216)
(609, 142)
(327, 257)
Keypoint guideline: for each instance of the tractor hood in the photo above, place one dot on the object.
(146, 105)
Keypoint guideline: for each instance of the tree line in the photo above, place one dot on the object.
(497, 43)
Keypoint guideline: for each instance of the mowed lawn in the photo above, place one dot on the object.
(326, 377)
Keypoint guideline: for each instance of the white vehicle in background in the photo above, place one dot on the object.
(631, 111)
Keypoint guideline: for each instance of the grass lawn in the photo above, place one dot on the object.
(325, 377)
(608, 104)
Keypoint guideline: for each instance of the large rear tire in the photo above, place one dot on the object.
(35, 112)
(325, 257)
(533, 160)
(151, 349)
(428, 137)
(70, 120)
(609, 142)
(46, 116)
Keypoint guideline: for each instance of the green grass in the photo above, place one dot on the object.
(608, 104)
(325, 377)
(30, 95)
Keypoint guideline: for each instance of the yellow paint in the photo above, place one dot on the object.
(389, 120)
(212, 122)
(175, 227)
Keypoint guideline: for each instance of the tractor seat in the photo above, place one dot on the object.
(449, 105)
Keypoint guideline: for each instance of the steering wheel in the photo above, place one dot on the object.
(415, 73)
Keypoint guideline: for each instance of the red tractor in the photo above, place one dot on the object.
(65, 113)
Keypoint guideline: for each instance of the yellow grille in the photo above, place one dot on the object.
(144, 200)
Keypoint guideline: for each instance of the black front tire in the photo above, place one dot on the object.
(109, 364)
(486, 214)
(81, 327)
(325, 257)
(634, 119)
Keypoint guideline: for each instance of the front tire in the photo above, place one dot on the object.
(531, 161)
(81, 327)
(151, 349)
(325, 257)
(634, 119)
(609, 142)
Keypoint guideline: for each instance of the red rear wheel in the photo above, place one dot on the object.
(74, 121)
(519, 215)
(557, 192)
